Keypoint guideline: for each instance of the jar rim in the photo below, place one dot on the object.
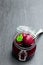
(22, 48)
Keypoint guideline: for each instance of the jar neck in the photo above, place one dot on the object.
(23, 48)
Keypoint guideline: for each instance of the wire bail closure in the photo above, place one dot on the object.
(24, 53)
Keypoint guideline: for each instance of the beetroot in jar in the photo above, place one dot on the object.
(24, 46)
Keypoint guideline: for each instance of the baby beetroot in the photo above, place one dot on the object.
(28, 39)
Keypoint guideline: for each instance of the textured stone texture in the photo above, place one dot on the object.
(12, 14)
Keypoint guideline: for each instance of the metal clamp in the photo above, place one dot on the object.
(20, 55)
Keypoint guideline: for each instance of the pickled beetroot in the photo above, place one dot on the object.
(29, 40)
(25, 40)
(24, 35)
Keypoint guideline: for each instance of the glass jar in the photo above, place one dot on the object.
(24, 46)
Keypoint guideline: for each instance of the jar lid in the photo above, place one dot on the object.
(23, 29)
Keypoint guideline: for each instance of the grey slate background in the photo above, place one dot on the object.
(12, 14)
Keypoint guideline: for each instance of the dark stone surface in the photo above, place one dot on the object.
(12, 14)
